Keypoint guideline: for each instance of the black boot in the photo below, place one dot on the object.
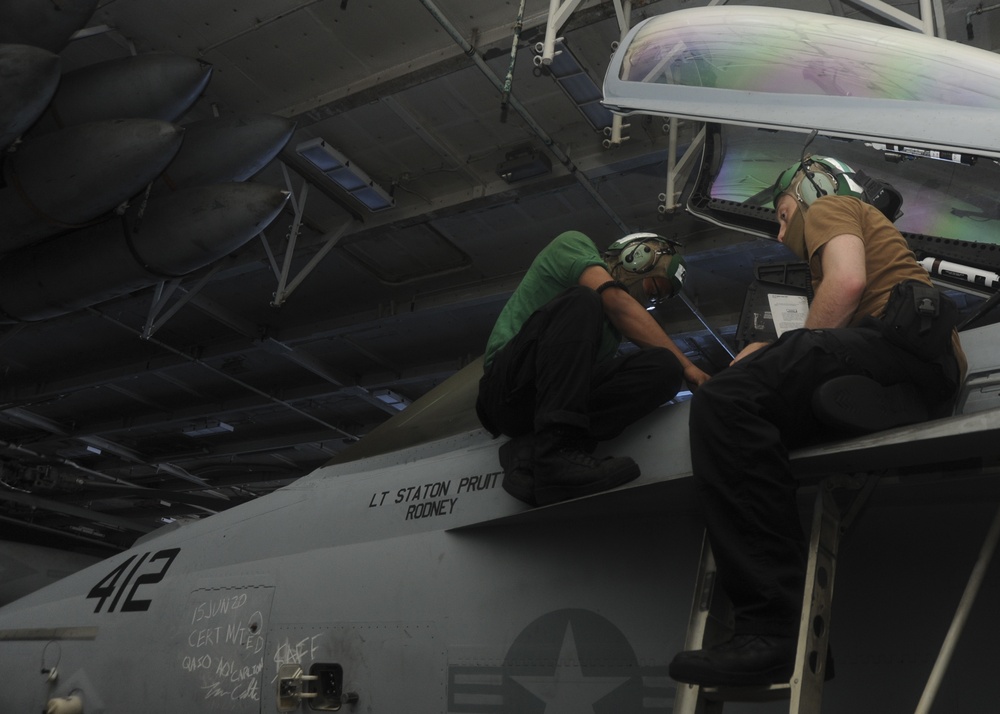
(743, 660)
(564, 470)
(859, 404)
(518, 478)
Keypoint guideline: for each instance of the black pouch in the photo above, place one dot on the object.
(882, 195)
(919, 319)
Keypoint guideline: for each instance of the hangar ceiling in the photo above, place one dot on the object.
(181, 398)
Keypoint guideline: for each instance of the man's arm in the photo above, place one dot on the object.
(844, 280)
(836, 300)
(635, 323)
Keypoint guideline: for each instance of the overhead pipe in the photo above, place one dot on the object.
(978, 11)
(195, 360)
(547, 140)
(54, 531)
(116, 449)
(509, 79)
(60, 461)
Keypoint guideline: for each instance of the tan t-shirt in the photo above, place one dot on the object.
(888, 258)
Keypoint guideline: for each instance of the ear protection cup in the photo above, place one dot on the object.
(817, 176)
(816, 184)
(638, 258)
(647, 265)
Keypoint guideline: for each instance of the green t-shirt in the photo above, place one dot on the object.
(558, 267)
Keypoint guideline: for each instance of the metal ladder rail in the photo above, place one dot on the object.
(710, 621)
(711, 615)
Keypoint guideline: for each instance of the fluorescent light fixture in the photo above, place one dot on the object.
(394, 400)
(209, 427)
(524, 163)
(345, 174)
(88, 531)
(574, 80)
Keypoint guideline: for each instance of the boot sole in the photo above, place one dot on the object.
(520, 485)
(715, 678)
(704, 676)
(547, 495)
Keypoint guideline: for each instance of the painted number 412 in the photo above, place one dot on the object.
(156, 568)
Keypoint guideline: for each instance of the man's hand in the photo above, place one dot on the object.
(635, 323)
(694, 376)
(748, 350)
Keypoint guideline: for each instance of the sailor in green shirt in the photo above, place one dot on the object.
(553, 379)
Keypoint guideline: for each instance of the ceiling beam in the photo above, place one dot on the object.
(46, 504)
(14, 394)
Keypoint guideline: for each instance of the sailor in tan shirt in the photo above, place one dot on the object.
(745, 419)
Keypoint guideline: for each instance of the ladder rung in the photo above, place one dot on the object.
(760, 693)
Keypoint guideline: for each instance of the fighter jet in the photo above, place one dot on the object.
(401, 577)
(25, 568)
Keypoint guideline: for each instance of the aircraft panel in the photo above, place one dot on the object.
(484, 612)
(217, 647)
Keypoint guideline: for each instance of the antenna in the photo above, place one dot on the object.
(805, 162)
(809, 140)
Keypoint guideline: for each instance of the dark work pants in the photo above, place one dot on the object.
(743, 422)
(547, 376)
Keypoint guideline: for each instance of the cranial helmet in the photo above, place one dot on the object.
(817, 176)
(647, 264)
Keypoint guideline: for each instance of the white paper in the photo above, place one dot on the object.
(788, 312)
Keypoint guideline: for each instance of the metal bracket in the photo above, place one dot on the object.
(614, 132)
(675, 166)
(164, 291)
(323, 687)
(293, 687)
(559, 12)
(286, 288)
(961, 615)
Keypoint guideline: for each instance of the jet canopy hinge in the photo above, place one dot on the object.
(322, 688)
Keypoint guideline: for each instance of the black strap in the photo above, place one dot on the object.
(612, 284)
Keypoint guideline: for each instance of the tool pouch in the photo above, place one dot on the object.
(919, 319)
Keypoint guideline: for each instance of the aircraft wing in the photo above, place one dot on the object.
(929, 446)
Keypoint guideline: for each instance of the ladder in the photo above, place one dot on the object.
(710, 621)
